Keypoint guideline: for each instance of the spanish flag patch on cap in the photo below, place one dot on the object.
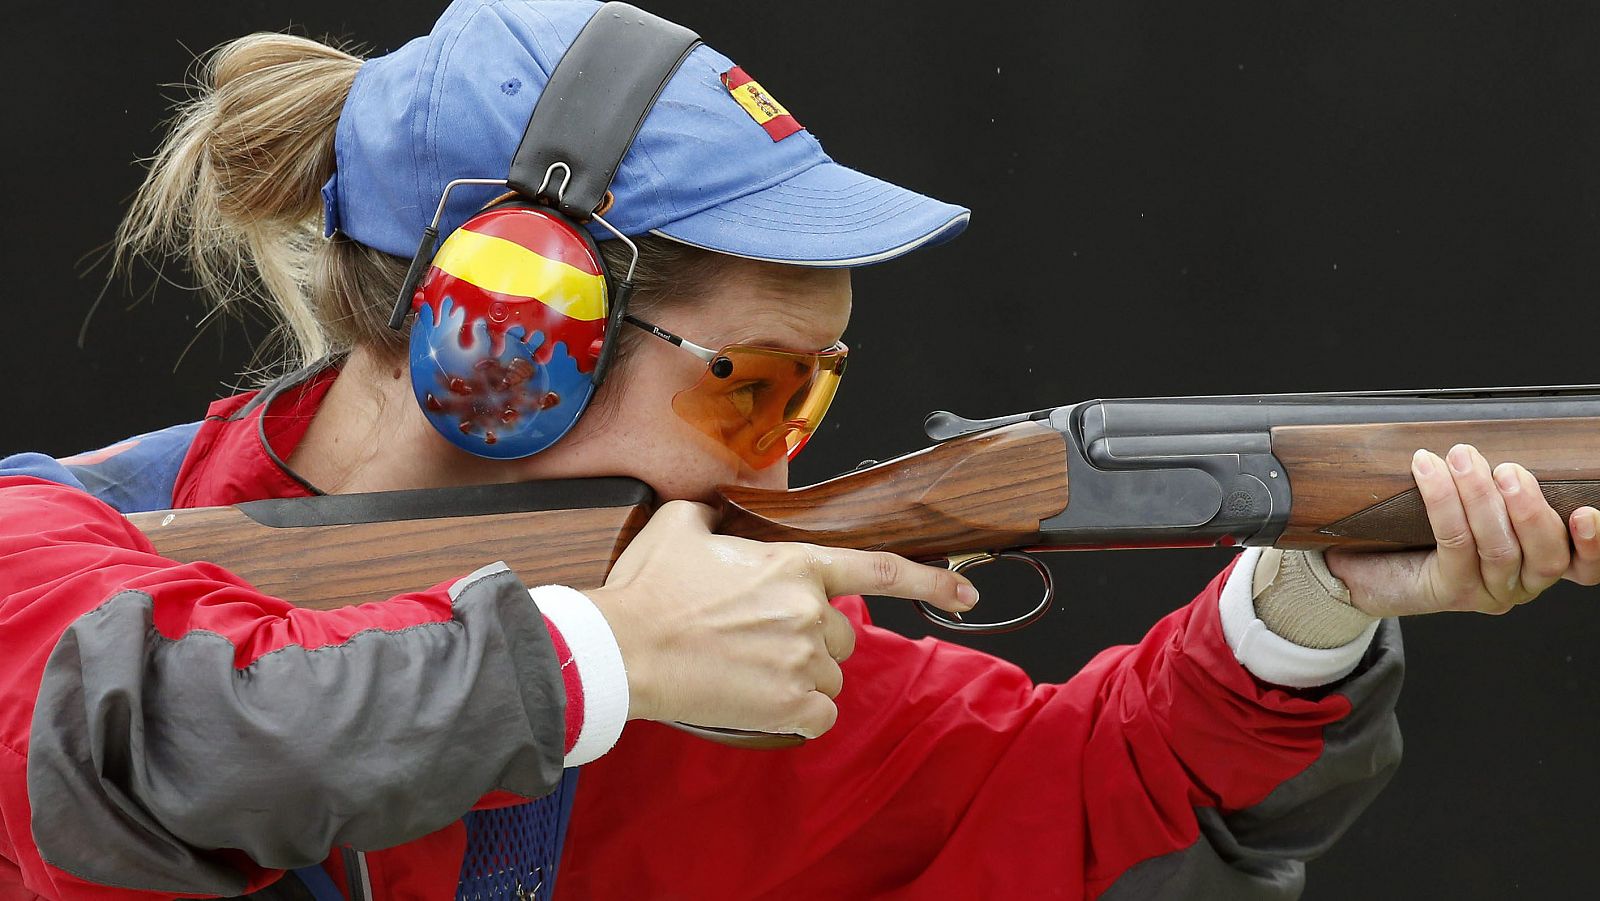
(768, 113)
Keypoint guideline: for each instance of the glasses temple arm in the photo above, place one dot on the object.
(704, 353)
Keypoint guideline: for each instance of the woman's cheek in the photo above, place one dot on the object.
(686, 465)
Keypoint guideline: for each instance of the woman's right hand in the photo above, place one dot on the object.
(730, 633)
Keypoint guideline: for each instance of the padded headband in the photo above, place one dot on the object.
(597, 98)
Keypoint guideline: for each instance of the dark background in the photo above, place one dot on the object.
(1169, 198)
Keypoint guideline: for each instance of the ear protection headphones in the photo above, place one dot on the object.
(516, 314)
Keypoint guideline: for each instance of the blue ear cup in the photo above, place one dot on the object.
(511, 321)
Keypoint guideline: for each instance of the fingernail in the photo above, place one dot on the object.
(968, 595)
(1506, 475)
(1586, 526)
(956, 616)
(1460, 459)
(1421, 463)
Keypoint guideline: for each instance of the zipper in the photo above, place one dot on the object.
(356, 875)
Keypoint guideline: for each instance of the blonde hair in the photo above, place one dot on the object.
(235, 192)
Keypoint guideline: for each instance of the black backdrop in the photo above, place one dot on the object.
(1168, 198)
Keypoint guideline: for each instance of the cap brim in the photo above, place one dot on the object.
(827, 216)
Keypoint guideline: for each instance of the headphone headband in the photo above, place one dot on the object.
(602, 88)
(521, 316)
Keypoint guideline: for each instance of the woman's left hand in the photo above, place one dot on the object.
(1499, 543)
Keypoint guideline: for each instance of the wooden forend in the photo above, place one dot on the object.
(1352, 486)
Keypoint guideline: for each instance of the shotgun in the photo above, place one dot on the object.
(1290, 470)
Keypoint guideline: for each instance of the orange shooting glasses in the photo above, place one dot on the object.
(762, 403)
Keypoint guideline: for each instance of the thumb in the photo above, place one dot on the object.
(684, 515)
(666, 527)
(816, 715)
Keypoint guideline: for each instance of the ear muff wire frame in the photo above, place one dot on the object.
(430, 238)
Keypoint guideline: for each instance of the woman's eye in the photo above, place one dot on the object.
(745, 395)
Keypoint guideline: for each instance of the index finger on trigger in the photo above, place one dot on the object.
(846, 571)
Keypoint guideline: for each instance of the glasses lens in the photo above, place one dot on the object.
(768, 403)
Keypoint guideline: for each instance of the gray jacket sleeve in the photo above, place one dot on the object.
(148, 751)
(1259, 853)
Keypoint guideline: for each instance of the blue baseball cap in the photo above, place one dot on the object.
(735, 176)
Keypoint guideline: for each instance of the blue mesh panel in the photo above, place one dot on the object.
(512, 852)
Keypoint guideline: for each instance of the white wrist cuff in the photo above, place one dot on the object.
(1271, 657)
(600, 671)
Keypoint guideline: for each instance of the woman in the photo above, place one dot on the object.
(171, 731)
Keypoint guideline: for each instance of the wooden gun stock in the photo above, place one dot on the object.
(334, 551)
(985, 491)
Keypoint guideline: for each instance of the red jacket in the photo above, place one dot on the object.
(1163, 769)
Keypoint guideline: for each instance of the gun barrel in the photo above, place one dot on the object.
(1256, 413)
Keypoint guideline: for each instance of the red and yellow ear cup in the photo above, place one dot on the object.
(511, 318)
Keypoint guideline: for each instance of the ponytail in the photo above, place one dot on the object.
(235, 189)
